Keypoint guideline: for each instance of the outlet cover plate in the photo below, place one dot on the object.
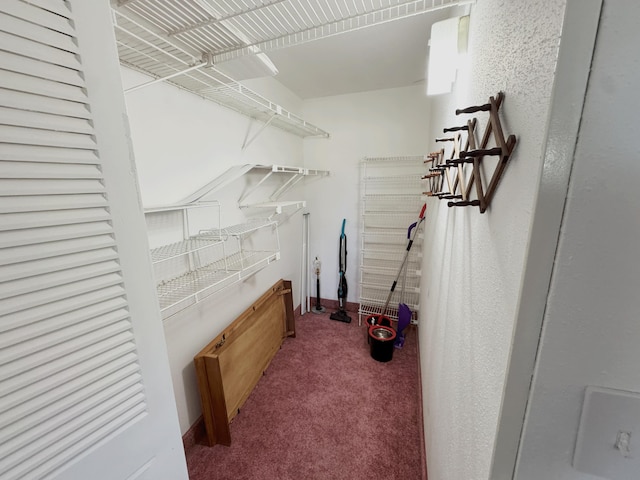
(608, 443)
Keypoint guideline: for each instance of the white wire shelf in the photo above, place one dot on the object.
(200, 265)
(187, 289)
(386, 267)
(278, 207)
(234, 173)
(389, 237)
(377, 281)
(191, 245)
(394, 220)
(233, 29)
(381, 254)
(146, 44)
(236, 230)
(372, 300)
(392, 312)
(392, 202)
(377, 295)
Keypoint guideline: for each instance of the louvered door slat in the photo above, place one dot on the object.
(87, 273)
(113, 418)
(44, 121)
(15, 221)
(45, 137)
(40, 86)
(77, 389)
(26, 339)
(59, 384)
(33, 153)
(44, 35)
(75, 355)
(49, 187)
(46, 234)
(37, 68)
(41, 203)
(28, 301)
(26, 253)
(54, 417)
(38, 51)
(120, 408)
(59, 7)
(38, 16)
(48, 170)
(60, 307)
(64, 355)
(114, 308)
(57, 263)
(38, 103)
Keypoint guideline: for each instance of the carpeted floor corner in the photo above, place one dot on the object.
(324, 410)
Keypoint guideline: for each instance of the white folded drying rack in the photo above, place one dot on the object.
(391, 201)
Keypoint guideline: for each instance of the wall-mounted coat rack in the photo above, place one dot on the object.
(455, 178)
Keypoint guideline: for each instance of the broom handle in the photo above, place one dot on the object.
(404, 260)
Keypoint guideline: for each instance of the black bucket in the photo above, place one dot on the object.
(381, 341)
(372, 320)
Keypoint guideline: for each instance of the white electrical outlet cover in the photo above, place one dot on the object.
(608, 443)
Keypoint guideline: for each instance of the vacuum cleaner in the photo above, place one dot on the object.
(318, 308)
(341, 314)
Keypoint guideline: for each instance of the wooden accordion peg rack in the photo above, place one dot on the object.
(454, 176)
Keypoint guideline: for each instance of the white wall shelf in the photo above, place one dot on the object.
(291, 206)
(289, 177)
(209, 260)
(146, 44)
(185, 247)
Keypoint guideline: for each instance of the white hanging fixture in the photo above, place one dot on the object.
(448, 43)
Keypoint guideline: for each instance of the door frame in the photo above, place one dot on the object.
(575, 54)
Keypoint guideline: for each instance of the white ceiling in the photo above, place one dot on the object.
(392, 54)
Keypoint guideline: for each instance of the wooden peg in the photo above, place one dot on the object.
(455, 129)
(481, 152)
(459, 161)
(451, 197)
(468, 203)
(446, 139)
(478, 108)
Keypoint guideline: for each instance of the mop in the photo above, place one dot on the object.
(415, 227)
(341, 314)
(404, 312)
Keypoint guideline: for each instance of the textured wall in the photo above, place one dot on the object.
(591, 331)
(473, 263)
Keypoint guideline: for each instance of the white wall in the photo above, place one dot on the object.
(473, 264)
(591, 329)
(370, 124)
(180, 143)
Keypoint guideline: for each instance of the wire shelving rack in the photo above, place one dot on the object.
(206, 260)
(392, 196)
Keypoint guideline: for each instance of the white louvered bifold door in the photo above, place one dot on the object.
(84, 385)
